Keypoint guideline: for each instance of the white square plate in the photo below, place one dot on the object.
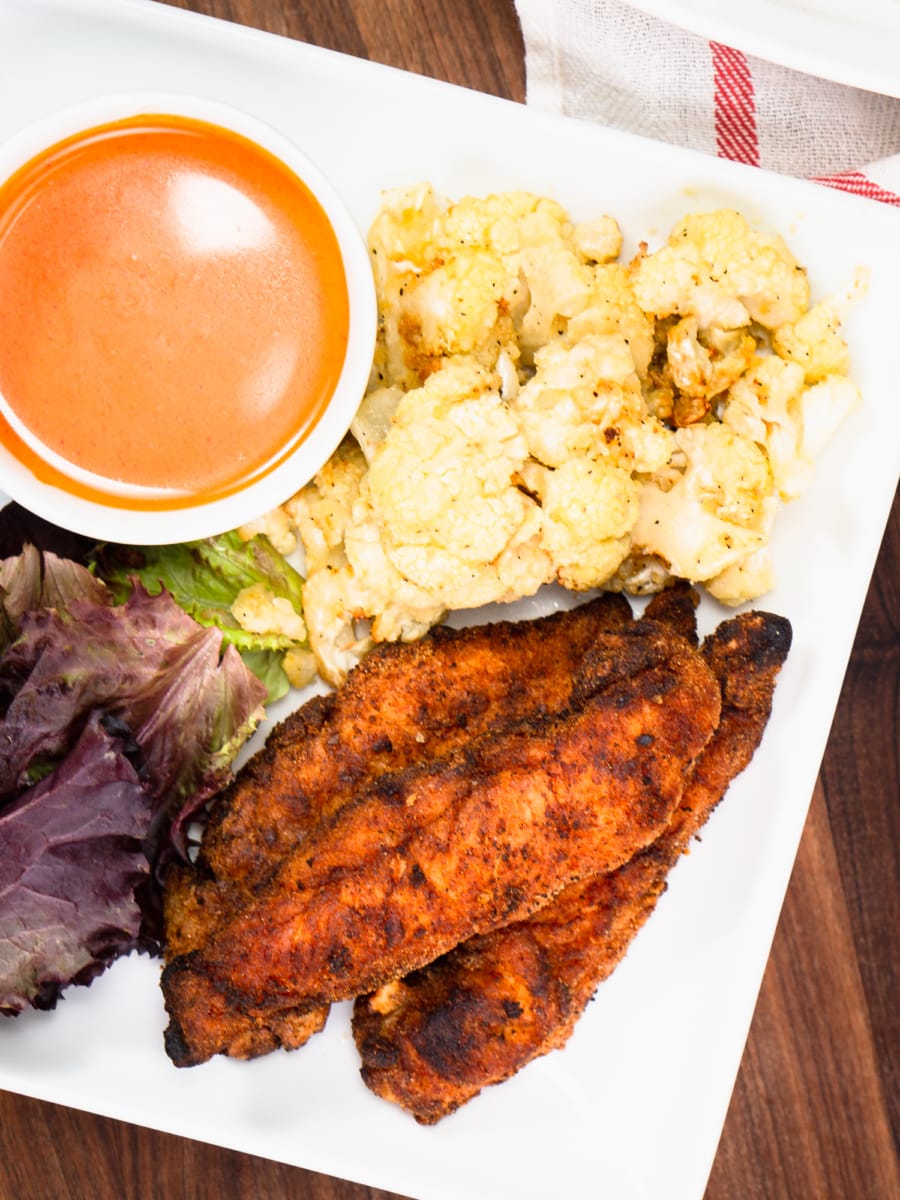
(634, 1105)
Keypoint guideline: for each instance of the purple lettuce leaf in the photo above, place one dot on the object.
(117, 722)
(32, 580)
(188, 706)
(71, 860)
(191, 721)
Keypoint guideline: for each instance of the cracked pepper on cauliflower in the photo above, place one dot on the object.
(539, 411)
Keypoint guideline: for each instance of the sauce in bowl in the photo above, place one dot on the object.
(174, 311)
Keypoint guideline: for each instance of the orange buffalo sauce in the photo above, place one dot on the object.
(173, 308)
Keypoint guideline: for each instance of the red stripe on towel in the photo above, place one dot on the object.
(735, 107)
(859, 185)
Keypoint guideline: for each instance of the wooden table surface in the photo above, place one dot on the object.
(815, 1110)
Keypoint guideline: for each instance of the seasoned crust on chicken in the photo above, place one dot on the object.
(405, 703)
(433, 1040)
(408, 702)
(434, 854)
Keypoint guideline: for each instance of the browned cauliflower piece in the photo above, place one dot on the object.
(713, 512)
(717, 268)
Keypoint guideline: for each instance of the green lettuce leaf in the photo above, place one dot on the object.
(204, 578)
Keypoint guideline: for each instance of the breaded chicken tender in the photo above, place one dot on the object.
(466, 843)
(433, 1040)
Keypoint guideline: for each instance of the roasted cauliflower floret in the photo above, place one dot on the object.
(559, 287)
(435, 299)
(536, 241)
(702, 366)
(714, 512)
(397, 608)
(717, 268)
(479, 277)
(773, 406)
(277, 526)
(450, 441)
(640, 574)
(764, 406)
(502, 221)
(404, 229)
(321, 510)
(443, 483)
(461, 306)
(579, 398)
(600, 240)
(373, 418)
(814, 342)
(586, 399)
(589, 507)
(744, 580)
(825, 406)
(438, 520)
(257, 609)
(612, 308)
(333, 608)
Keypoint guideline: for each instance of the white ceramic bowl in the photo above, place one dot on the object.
(108, 512)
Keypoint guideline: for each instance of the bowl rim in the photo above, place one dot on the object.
(194, 520)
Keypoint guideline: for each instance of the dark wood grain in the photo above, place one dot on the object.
(814, 1115)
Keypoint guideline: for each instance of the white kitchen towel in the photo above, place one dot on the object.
(607, 61)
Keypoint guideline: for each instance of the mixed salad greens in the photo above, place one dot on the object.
(205, 578)
(127, 687)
